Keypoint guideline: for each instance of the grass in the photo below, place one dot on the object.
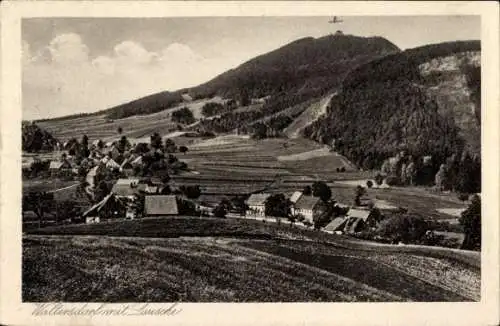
(103, 269)
(173, 227)
(45, 184)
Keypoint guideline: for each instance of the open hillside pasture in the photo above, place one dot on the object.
(234, 260)
(137, 127)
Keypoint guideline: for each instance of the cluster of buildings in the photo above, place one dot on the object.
(355, 220)
(121, 202)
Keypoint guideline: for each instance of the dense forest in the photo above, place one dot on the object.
(384, 109)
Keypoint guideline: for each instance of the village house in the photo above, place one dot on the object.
(127, 168)
(59, 167)
(256, 205)
(127, 188)
(108, 208)
(357, 220)
(306, 206)
(160, 205)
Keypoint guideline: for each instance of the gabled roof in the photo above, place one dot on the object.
(98, 207)
(112, 164)
(336, 224)
(358, 213)
(161, 205)
(122, 188)
(306, 202)
(295, 196)
(59, 164)
(257, 199)
(137, 160)
(125, 164)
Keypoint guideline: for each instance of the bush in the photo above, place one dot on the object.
(183, 115)
(405, 228)
(220, 211)
(369, 183)
(463, 197)
(212, 108)
(392, 180)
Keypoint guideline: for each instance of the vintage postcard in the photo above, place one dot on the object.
(284, 163)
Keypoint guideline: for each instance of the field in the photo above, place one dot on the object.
(135, 127)
(242, 261)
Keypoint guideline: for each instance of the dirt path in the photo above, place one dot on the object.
(68, 187)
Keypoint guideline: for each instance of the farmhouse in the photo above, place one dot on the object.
(160, 205)
(58, 167)
(357, 219)
(306, 206)
(127, 188)
(257, 205)
(109, 207)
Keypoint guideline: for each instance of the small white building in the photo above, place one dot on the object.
(257, 205)
(295, 197)
(306, 206)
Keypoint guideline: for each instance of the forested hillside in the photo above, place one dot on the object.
(424, 102)
(307, 68)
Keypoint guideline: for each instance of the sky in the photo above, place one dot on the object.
(75, 65)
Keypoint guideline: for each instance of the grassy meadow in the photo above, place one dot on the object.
(234, 260)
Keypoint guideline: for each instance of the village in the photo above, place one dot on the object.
(124, 180)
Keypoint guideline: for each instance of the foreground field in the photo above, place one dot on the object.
(243, 261)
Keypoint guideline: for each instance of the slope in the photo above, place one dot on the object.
(235, 260)
(307, 67)
(424, 100)
(311, 114)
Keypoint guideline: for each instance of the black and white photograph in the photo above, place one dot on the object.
(331, 158)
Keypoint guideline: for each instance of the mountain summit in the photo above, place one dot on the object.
(308, 66)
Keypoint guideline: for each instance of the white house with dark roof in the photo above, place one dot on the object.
(306, 206)
(257, 205)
